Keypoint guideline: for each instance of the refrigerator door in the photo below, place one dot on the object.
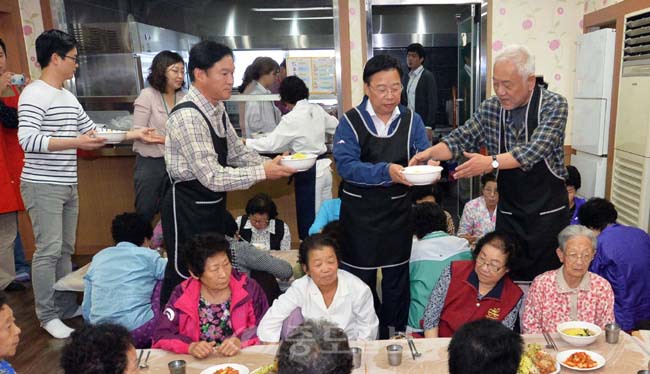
(590, 130)
(595, 64)
(592, 172)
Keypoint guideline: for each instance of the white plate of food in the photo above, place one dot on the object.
(534, 360)
(226, 369)
(580, 360)
(267, 369)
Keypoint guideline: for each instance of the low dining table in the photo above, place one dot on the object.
(627, 356)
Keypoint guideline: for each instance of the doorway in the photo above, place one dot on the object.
(453, 34)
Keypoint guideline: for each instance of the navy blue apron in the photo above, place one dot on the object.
(533, 205)
(189, 208)
(375, 220)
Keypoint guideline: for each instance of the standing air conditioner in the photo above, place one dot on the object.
(631, 172)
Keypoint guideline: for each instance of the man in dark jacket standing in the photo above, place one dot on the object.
(420, 92)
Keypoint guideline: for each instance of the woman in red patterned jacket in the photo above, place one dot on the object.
(11, 165)
(216, 310)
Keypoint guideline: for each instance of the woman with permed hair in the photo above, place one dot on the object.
(151, 110)
(100, 349)
(260, 225)
(326, 292)
(260, 116)
(216, 310)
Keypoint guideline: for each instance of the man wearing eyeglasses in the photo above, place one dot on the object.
(372, 145)
(52, 125)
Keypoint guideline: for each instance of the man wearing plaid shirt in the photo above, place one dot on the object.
(522, 128)
(205, 158)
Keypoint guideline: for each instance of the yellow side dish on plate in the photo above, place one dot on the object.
(578, 332)
(299, 156)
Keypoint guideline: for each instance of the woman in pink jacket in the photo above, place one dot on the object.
(217, 309)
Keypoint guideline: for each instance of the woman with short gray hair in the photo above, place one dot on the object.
(570, 293)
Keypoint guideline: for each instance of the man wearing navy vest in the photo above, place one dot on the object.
(372, 145)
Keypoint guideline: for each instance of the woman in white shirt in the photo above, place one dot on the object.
(302, 130)
(260, 116)
(326, 292)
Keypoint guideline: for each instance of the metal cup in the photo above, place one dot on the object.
(394, 354)
(643, 372)
(356, 357)
(612, 332)
(176, 367)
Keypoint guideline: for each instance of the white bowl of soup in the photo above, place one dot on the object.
(579, 333)
(299, 161)
(422, 175)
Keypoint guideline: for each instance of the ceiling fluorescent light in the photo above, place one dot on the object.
(291, 9)
(299, 18)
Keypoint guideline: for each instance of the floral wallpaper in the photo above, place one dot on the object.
(594, 5)
(356, 50)
(550, 29)
(30, 12)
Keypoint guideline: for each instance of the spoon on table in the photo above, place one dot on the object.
(145, 365)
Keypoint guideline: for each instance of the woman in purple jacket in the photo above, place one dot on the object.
(217, 309)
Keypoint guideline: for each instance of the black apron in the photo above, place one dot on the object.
(375, 220)
(189, 208)
(533, 205)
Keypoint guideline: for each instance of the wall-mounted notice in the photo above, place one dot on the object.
(319, 73)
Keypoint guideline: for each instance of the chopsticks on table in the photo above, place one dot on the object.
(550, 343)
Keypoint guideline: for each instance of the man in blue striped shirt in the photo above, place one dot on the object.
(522, 127)
(52, 126)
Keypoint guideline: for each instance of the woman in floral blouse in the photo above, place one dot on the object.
(479, 216)
(216, 310)
(570, 293)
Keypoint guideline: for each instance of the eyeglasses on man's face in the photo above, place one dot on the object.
(73, 58)
(383, 90)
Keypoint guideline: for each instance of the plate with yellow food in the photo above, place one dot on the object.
(267, 369)
(226, 369)
(579, 333)
(580, 360)
(534, 360)
(299, 161)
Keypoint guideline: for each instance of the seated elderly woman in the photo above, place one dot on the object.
(475, 289)
(105, 348)
(325, 292)
(570, 293)
(9, 335)
(215, 307)
(260, 225)
(315, 347)
(479, 215)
